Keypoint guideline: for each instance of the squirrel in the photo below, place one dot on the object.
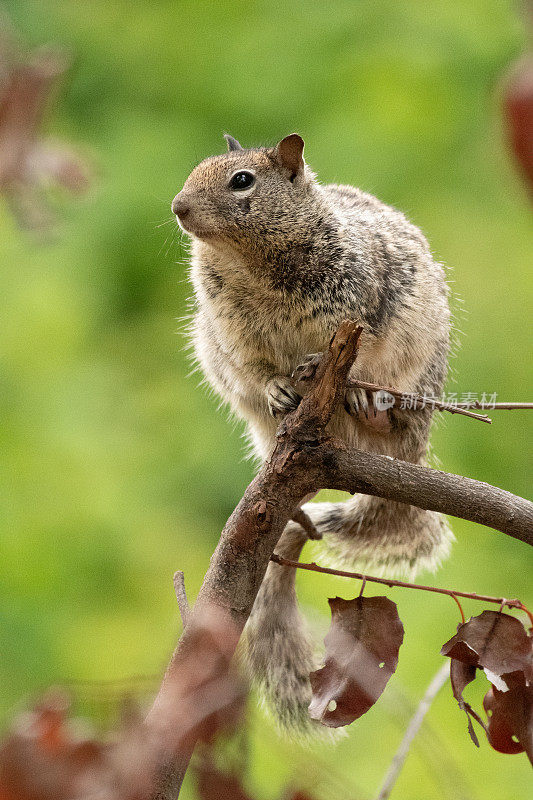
(277, 262)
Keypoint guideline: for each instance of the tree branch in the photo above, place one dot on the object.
(306, 459)
(305, 522)
(430, 489)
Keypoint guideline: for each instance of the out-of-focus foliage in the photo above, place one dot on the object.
(117, 468)
(29, 163)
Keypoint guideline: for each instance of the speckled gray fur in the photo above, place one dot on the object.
(275, 270)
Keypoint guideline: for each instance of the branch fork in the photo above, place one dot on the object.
(306, 459)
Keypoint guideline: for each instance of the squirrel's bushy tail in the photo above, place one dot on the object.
(366, 533)
(277, 645)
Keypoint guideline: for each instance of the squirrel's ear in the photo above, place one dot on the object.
(233, 144)
(289, 153)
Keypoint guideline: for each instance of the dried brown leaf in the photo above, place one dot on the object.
(510, 717)
(43, 756)
(494, 642)
(498, 644)
(518, 112)
(29, 162)
(362, 648)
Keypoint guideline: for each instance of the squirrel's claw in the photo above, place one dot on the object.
(281, 397)
(356, 402)
(306, 370)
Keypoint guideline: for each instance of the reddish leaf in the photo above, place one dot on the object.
(362, 648)
(40, 759)
(492, 641)
(518, 109)
(29, 162)
(510, 717)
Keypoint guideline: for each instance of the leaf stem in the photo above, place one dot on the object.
(453, 593)
(460, 607)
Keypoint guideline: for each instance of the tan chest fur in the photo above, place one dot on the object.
(252, 323)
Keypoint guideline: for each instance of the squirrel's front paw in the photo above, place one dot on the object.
(305, 371)
(281, 397)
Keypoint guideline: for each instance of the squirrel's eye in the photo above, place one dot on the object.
(242, 180)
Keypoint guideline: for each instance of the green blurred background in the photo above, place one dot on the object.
(117, 468)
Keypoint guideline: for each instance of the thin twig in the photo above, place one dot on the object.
(181, 597)
(416, 401)
(453, 593)
(125, 682)
(498, 406)
(412, 729)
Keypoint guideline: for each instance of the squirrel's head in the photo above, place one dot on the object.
(246, 197)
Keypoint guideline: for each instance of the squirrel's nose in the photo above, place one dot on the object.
(180, 206)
